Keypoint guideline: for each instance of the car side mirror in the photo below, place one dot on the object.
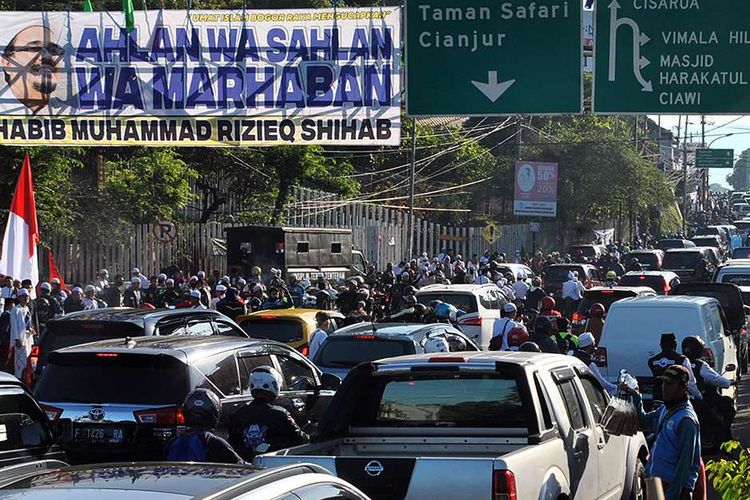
(731, 368)
(330, 382)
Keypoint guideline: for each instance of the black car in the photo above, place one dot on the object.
(180, 481)
(121, 398)
(120, 322)
(28, 439)
(650, 260)
(690, 264)
(668, 244)
(605, 296)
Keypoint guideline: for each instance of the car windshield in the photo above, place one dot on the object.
(655, 282)
(706, 242)
(603, 297)
(113, 378)
(457, 400)
(741, 253)
(681, 260)
(466, 302)
(739, 279)
(347, 352)
(280, 330)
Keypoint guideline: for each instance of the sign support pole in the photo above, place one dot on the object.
(684, 180)
(412, 170)
(705, 170)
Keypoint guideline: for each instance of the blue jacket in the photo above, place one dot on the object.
(676, 453)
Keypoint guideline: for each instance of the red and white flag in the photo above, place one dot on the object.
(19, 257)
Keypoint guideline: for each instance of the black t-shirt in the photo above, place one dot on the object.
(259, 423)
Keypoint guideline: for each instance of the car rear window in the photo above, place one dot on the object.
(280, 330)
(560, 274)
(741, 253)
(603, 297)
(113, 378)
(667, 244)
(647, 260)
(586, 251)
(654, 282)
(739, 279)
(458, 400)
(347, 352)
(681, 260)
(466, 302)
(69, 333)
(706, 242)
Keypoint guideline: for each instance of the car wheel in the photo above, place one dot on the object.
(638, 489)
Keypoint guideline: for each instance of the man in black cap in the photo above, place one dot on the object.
(676, 453)
(668, 356)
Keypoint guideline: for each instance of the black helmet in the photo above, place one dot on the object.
(202, 407)
(410, 290)
(410, 300)
(692, 347)
(529, 347)
(542, 326)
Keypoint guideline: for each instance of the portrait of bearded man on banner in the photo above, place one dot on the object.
(31, 66)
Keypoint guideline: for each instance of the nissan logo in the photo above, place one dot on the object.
(96, 414)
(374, 468)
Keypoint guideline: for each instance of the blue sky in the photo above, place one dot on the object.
(716, 127)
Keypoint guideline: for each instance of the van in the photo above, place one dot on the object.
(634, 327)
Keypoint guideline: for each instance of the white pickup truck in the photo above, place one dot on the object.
(486, 425)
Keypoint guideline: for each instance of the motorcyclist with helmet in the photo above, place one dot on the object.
(202, 412)
(548, 307)
(595, 323)
(610, 279)
(715, 411)
(585, 352)
(635, 265)
(566, 341)
(260, 426)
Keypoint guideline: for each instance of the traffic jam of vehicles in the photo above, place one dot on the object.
(485, 378)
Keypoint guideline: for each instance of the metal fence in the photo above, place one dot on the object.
(381, 233)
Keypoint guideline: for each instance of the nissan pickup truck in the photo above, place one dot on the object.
(485, 425)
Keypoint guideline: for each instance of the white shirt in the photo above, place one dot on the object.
(573, 289)
(608, 386)
(712, 378)
(215, 301)
(520, 288)
(89, 304)
(316, 339)
(481, 280)
(18, 330)
(503, 326)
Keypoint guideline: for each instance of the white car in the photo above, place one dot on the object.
(736, 271)
(634, 327)
(481, 303)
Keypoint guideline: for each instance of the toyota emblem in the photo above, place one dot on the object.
(96, 414)
(374, 468)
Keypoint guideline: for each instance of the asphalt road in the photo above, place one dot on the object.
(741, 428)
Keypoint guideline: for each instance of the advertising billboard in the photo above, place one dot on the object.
(536, 189)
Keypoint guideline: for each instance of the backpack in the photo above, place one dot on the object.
(187, 448)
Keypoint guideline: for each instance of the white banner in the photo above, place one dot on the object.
(329, 76)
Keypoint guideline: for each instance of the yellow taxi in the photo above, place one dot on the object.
(290, 326)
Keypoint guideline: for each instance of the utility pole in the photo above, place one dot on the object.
(704, 177)
(684, 180)
(412, 174)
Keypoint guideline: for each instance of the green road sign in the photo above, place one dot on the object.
(482, 57)
(714, 158)
(672, 56)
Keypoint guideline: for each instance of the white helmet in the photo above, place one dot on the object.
(436, 344)
(266, 378)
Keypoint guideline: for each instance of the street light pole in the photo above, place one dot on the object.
(684, 180)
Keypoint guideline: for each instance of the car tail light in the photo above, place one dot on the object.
(171, 415)
(268, 316)
(578, 317)
(600, 357)
(708, 357)
(608, 292)
(447, 359)
(504, 485)
(305, 350)
(106, 354)
(365, 337)
(476, 321)
(51, 412)
(34, 357)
